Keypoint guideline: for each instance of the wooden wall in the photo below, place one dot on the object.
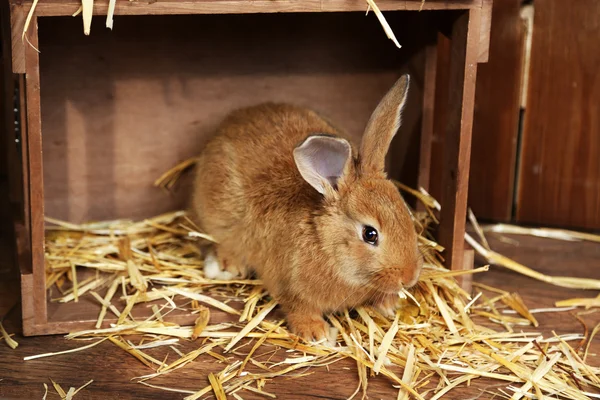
(539, 164)
(121, 107)
(496, 121)
(559, 178)
(496, 118)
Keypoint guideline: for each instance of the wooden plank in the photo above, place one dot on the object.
(111, 128)
(36, 184)
(166, 7)
(427, 124)
(466, 281)
(439, 122)
(17, 23)
(457, 145)
(559, 176)
(496, 120)
(486, 30)
(23, 173)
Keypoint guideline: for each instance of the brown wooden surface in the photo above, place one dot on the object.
(125, 7)
(457, 146)
(440, 115)
(17, 23)
(485, 27)
(111, 369)
(429, 115)
(119, 108)
(559, 177)
(6, 124)
(36, 183)
(496, 120)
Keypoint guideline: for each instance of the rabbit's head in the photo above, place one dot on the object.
(364, 223)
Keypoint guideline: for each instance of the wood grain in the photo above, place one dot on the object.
(496, 119)
(166, 7)
(17, 23)
(36, 182)
(457, 141)
(429, 115)
(111, 369)
(440, 118)
(559, 176)
(486, 30)
(119, 108)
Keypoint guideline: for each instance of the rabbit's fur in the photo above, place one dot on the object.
(285, 194)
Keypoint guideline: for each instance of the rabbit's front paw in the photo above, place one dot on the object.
(308, 326)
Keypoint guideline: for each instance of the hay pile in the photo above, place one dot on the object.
(435, 343)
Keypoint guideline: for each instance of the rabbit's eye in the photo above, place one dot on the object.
(370, 235)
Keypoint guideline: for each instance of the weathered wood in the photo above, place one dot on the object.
(36, 183)
(559, 176)
(23, 173)
(496, 119)
(17, 22)
(466, 281)
(457, 144)
(428, 115)
(165, 7)
(115, 127)
(486, 30)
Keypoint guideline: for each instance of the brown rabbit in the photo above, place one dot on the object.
(285, 194)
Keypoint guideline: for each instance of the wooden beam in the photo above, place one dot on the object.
(17, 23)
(457, 145)
(427, 124)
(36, 184)
(164, 7)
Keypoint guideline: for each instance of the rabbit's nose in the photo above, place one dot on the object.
(411, 273)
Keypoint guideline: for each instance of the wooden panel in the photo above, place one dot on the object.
(440, 118)
(119, 108)
(559, 177)
(126, 7)
(486, 30)
(464, 46)
(429, 117)
(496, 120)
(36, 183)
(17, 23)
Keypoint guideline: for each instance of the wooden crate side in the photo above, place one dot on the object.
(428, 119)
(37, 285)
(181, 7)
(464, 53)
(17, 23)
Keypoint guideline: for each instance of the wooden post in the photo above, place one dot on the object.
(465, 39)
(35, 283)
(427, 124)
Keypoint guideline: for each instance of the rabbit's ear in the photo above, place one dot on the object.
(322, 161)
(382, 127)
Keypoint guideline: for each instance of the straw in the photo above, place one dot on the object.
(438, 332)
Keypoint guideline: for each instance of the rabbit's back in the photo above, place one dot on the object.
(246, 175)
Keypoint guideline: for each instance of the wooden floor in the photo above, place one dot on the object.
(112, 370)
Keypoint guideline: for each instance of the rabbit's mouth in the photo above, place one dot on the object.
(387, 286)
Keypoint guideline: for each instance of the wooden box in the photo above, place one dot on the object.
(103, 115)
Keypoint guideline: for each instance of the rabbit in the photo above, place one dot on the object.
(287, 196)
